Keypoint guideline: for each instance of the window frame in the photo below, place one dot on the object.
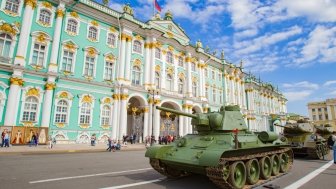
(114, 41)
(42, 20)
(158, 80)
(169, 80)
(180, 62)
(180, 86)
(11, 45)
(61, 113)
(86, 116)
(158, 53)
(23, 109)
(134, 50)
(194, 89)
(90, 33)
(10, 12)
(45, 54)
(169, 58)
(136, 72)
(72, 26)
(103, 117)
(107, 68)
(46, 51)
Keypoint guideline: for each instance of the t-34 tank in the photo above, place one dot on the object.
(224, 150)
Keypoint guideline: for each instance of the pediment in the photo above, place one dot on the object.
(171, 30)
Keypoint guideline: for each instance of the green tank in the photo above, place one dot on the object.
(224, 150)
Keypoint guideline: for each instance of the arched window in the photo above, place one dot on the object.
(61, 112)
(30, 109)
(193, 67)
(105, 115)
(39, 54)
(93, 33)
(111, 38)
(194, 89)
(72, 26)
(180, 86)
(157, 53)
(169, 82)
(136, 75)
(45, 17)
(137, 47)
(5, 44)
(169, 57)
(180, 61)
(85, 113)
(12, 5)
(157, 80)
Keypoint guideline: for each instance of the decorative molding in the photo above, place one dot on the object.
(59, 13)
(94, 23)
(33, 92)
(137, 62)
(170, 70)
(60, 125)
(158, 68)
(8, 28)
(50, 86)
(112, 29)
(138, 37)
(87, 98)
(74, 14)
(31, 3)
(46, 5)
(16, 81)
(126, 37)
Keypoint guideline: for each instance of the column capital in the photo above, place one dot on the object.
(50, 86)
(31, 3)
(59, 13)
(16, 81)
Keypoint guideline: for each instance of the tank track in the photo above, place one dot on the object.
(319, 152)
(215, 174)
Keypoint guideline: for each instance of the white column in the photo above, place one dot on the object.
(163, 76)
(13, 101)
(156, 124)
(47, 101)
(150, 119)
(56, 39)
(176, 78)
(115, 116)
(128, 60)
(152, 66)
(189, 82)
(147, 63)
(189, 121)
(200, 84)
(24, 33)
(145, 129)
(181, 126)
(121, 59)
(123, 116)
(185, 121)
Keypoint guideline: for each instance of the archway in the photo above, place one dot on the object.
(169, 122)
(135, 119)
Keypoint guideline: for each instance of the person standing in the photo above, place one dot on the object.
(3, 138)
(6, 139)
(334, 145)
(109, 140)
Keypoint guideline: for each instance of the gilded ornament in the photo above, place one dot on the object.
(181, 75)
(110, 57)
(7, 28)
(105, 127)
(138, 37)
(16, 81)
(60, 125)
(59, 13)
(50, 86)
(126, 37)
(194, 79)
(46, 5)
(41, 38)
(64, 95)
(74, 14)
(157, 44)
(91, 52)
(116, 96)
(164, 52)
(134, 110)
(112, 29)
(157, 101)
(107, 101)
(70, 46)
(170, 48)
(170, 34)
(33, 92)
(31, 3)
(123, 96)
(181, 54)
(137, 63)
(84, 126)
(145, 110)
(170, 70)
(150, 100)
(188, 59)
(185, 106)
(158, 68)
(87, 98)
(95, 23)
(28, 124)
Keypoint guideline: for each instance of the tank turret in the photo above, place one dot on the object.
(228, 118)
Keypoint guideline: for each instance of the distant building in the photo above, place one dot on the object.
(323, 113)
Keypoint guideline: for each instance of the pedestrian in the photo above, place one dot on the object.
(109, 144)
(6, 139)
(3, 138)
(125, 140)
(134, 138)
(131, 139)
(93, 140)
(50, 142)
(334, 145)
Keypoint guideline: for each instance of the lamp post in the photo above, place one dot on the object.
(152, 92)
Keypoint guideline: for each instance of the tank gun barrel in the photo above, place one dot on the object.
(176, 112)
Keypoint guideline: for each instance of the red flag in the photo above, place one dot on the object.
(157, 6)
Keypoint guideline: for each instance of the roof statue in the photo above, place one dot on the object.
(199, 44)
(241, 64)
(128, 9)
(207, 49)
(157, 16)
(222, 55)
(168, 15)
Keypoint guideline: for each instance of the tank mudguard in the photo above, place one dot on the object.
(210, 158)
(157, 151)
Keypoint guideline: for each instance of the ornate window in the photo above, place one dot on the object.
(44, 17)
(169, 82)
(194, 88)
(157, 53)
(72, 26)
(111, 39)
(180, 86)
(30, 109)
(137, 47)
(89, 66)
(105, 115)
(67, 61)
(5, 45)
(169, 57)
(93, 33)
(108, 74)
(85, 113)
(12, 6)
(180, 61)
(39, 54)
(193, 67)
(136, 75)
(157, 80)
(61, 112)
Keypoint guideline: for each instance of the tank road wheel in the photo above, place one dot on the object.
(252, 171)
(275, 164)
(284, 162)
(265, 167)
(172, 172)
(237, 177)
(226, 171)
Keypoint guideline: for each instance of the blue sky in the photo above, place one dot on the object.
(290, 43)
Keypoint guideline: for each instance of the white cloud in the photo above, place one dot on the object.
(303, 85)
(328, 83)
(297, 95)
(333, 93)
(243, 13)
(116, 6)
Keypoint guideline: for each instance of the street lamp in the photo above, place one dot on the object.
(152, 92)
